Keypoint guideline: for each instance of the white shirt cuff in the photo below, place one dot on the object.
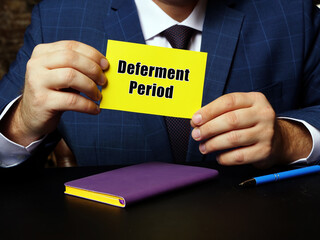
(11, 153)
(315, 151)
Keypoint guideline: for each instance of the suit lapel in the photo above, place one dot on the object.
(126, 25)
(127, 28)
(219, 39)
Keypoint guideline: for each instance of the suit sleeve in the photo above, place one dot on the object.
(309, 109)
(11, 86)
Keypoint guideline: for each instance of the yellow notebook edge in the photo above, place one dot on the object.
(110, 199)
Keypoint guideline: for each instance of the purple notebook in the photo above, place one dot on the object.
(127, 185)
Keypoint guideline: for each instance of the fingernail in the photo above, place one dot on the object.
(103, 79)
(202, 148)
(99, 95)
(104, 64)
(196, 134)
(197, 118)
(98, 109)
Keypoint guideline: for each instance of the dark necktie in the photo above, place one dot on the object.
(178, 128)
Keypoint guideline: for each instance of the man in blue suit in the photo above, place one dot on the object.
(261, 94)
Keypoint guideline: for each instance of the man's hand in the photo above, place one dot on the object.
(245, 125)
(56, 74)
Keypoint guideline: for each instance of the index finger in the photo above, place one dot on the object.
(81, 48)
(221, 105)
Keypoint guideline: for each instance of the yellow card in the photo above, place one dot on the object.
(153, 80)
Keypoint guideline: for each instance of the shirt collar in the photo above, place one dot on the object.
(154, 20)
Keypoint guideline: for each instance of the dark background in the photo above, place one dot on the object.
(15, 16)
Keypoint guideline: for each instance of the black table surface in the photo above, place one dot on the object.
(33, 206)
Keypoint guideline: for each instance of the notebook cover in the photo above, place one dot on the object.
(137, 182)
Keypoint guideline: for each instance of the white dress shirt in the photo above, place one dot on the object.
(153, 21)
(11, 153)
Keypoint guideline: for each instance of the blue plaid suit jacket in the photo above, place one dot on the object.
(270, 46)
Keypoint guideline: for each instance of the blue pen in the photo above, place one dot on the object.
(280, 176)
